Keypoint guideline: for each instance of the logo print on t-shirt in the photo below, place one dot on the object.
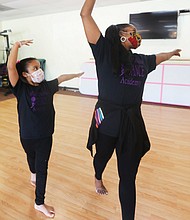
(39, 101)
(33, 102)
(135, 76)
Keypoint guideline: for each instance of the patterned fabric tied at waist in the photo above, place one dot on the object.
(132, 132)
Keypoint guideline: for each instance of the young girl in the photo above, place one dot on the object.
(117, 123)
(36, 116)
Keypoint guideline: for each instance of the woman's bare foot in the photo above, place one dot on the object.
(100, 188)
(46, 210)
(33, 179)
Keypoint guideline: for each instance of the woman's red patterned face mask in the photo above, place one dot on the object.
(132, 36)
(135, 39)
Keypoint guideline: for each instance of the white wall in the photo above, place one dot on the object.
(59, 38)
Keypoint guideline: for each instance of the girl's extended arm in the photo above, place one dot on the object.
(66, 77)
(12, 59)
(166, 56)
(91, 29)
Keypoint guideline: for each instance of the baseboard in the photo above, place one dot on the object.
(66, 88)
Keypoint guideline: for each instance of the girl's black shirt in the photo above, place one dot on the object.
(36, 114)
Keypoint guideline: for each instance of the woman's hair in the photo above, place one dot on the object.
(22, 66)
(120, 56)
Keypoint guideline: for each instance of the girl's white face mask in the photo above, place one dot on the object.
(37, 76)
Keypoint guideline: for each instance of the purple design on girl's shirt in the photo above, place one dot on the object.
(33, 101)
(39, 101)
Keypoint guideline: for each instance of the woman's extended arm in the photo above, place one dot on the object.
(161, 57)
(91, 29)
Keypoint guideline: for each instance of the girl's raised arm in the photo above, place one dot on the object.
(12, 59)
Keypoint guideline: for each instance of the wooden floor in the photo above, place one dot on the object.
(163, 181)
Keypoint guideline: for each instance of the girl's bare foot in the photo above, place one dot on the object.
(46, 210)
(33, 179)
(100, 188)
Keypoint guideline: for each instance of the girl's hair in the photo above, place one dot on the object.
(120, 56)
(22, 66)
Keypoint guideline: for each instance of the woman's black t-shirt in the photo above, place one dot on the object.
(35, 108)
(123, 90)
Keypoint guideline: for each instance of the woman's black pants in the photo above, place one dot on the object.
(127, 164)
(38, 153)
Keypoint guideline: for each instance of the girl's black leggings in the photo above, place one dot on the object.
(38, 153)
(127, 164)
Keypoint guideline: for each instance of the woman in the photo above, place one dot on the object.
(36, 117)
(117, 123)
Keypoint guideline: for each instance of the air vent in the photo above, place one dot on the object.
(5, 8)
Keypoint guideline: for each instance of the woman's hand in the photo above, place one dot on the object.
(176, 52)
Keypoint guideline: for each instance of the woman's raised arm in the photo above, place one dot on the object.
(91, 29)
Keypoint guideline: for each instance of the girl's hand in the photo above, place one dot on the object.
(24, 42)
(79, 74)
